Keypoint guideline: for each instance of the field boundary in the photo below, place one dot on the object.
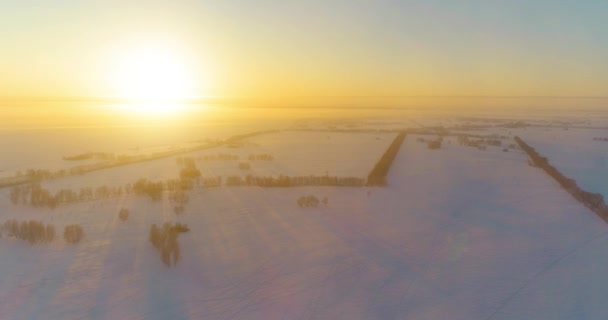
(377, 177)
(593, 201)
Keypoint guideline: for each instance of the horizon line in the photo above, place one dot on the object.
(243, 99)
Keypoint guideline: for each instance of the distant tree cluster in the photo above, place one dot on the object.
(153, 189)
(311, 201)
(493, 142)
(34, 232)
(90, 155)
(244, 165)
(600, 139)
(219, 157)
(189, 170)
(179, 209)
(73, 233)
(164, 239)
(261, 157)
(123, 214)
(41, 174)
(435, 143)
(593, 201)
(308, 201)
(481, 143)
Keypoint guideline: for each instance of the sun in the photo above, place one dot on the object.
(153, 79)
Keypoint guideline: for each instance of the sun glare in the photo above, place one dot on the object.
(153, 79)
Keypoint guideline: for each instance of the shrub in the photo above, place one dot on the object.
(73, 233)
(123, 214)
(308, 201)
(434, 144)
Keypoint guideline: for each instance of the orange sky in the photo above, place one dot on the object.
(313, 52)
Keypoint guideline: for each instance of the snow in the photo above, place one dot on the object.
(295, 154)
(459, 233)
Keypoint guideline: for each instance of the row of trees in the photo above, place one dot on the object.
(227, 157)
(220, 157)
(593, 201)
(261, 157)
(377, 177)
(37, 232)
(164, 239)
(41, 174)
(91, 155)
(34, 232)
(288, 181)
(35, 195)
(600, 139)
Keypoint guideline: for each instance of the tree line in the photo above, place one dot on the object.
(37, 232)
(593, 201)
(377, 177)
(289, 181)
(37, 196)
(227, 157)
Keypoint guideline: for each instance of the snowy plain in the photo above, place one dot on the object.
(459, 233)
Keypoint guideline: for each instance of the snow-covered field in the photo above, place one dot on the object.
(295, 154)
(44, 148)
(459, 233)
(317, 153)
